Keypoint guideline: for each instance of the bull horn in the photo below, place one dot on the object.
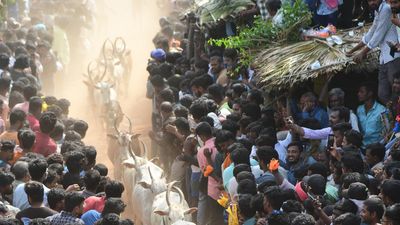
(181, 195)
(168, 194)
(144, 149)
(130, 123)
(132, 154)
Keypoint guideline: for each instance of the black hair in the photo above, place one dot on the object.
(375, 205)
(390, 189)
(58, 130)
(114, 189)
(6, 178)
(186, 101)
(358, 191)
(198, 109)
(109, 219)
(181, 111)
(55, 158)
(92, 179)
(245, 175)
(103, 170)
(37, 169)
(29, 91)
(73, 161)
(244, 204)
(369, 87)
(217, 92)
(256, 96)
(240, 168)
(388, 168)
(5, 83)
(319, 168)
(292, 206)
(342, 127)
(354, 137)
(157, 81)
(204, 129)
(350, 178)
(224, 136)
(278, 218)
(64, 104)
(303, 219)
(72, 200)
(297, 144)
(230, 53)
(58, 168)
(21, 62)
(377, 149)
(266, 154)
(51, 176)
(353, 162)
(344, 112)
(247, 186)
(35, 104)
(69, 146)
(274, 196)
(7, 146)
(81, 127)
(257, 202)
(4, 61)
(317, 183)
(47, 122)
(347, 219)
(90, 154)
(393, 213)
(231, 126)
(113, 205)
(17, 116)
(252, 110)
(35, 191)
(240, 156)
(71, 135)
(55, 196)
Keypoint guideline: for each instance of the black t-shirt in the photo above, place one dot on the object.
(33, 213)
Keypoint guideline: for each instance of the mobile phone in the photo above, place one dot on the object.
(331, 140)
(311, 196)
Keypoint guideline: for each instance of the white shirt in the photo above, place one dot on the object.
(20, 199)
(280, 147)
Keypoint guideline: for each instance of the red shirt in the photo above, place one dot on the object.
(33, 123)
(44, 144)
(96, 203)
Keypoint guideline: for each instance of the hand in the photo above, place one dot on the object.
(359, 57)
(171, 129)
(72, 188)
(207, 153)
(317, 205)
(349, 53)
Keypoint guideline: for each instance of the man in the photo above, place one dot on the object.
(35, 192)
(338, 131)
(35, 111)
(390, 194)
(6, 154)
(372, 211)
(381, 32)
(75, 160)
(113, 189)
(218, 95)
(72, 211)
(44, 144)
(273, 199)
(337, 115)
(56, 199)
(217, 70)
(6, 181)
(369, 115)
(29, 92)
(17, 120)
(336, 99)
(295, 161)
(21, 173)
(91, 179)
(210, 212)
(375, 153)
(112, 205)
(37, 170)
(26, 138)
(310, 109)
(5, 83)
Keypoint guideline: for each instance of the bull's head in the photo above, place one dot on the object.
(157, 178)
(176, 211)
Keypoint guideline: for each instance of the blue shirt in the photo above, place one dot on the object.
(317, 113)
(371, 125)
(251, 221)
(228, 172)
(90, 217)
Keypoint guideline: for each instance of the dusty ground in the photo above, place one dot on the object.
(137, 22)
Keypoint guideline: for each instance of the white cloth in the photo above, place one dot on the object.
(20, 199)
(280, 147)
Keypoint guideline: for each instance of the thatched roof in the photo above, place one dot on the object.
(210, 11)
(284, 66)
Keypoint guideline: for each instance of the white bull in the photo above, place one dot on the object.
(170, 207)
(150, 181)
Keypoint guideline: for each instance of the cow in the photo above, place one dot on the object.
(170, 207)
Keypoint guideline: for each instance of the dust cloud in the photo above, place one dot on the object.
(137, 22)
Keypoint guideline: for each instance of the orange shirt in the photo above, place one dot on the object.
(10, 136)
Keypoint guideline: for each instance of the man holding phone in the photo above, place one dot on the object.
(381, 32)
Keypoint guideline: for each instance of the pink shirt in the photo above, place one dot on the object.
(44, 144)
(22, 106)
(213, 185)
(96, 203)
(33, 123)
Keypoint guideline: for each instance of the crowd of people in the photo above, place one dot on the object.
(48, 175)
(301, 158)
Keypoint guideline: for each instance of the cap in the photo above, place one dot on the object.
(158, 54)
